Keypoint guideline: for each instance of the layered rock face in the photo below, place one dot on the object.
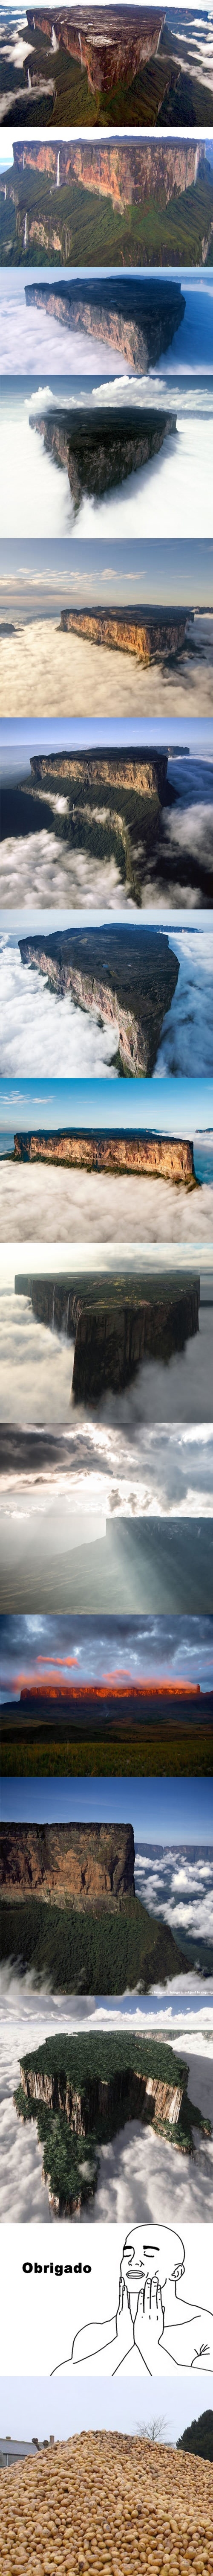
(136, 1691)
(86, 1865)
(149, 641)
(117, 1325)
(103, 2096)
(163, 1157)
(112, 44)
(89, 1711)
(112, 802)
(138, 316)
(128, 173)
(102, 451)
(129, 980)
(144, 772)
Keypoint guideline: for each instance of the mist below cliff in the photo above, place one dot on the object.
(187, 1035)
(52, 1029)
(100, 1558)
(137, 2168)
(36, 1367)
(63, 672)
(32, 339)
(41, 1028)
(56, 1205)
(177, 483)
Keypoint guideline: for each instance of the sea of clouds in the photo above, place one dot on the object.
(138, 2172)
(58, 1206)
(56, 1027)
(177, 1885)
(36, 1367)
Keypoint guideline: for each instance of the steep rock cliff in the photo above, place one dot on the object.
(116, 1325)
(163, 1157)
(129, 980)
(112, 45)
(144, 772)
(150, 641)
(112, 803)
(98, 1695)
(127, 172)
(138, 316)
(83, 1864)
(102, 2097)
(101, 449)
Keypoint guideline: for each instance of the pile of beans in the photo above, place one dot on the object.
(104, 2503)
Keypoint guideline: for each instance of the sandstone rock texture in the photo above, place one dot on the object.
(101, 449)
(129, 173)
(149, 640)
(138, 316)
(98, 1694)
(115, 1325)
(102, 2097)
(128, 978)
(112, 43)
(144, 772)
(86, 1865)
(165, 1157)
(113, 801)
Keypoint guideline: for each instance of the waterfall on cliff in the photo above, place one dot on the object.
(79, 40)
(68, 1300)
(29, 81)
(25, 233)
(54, 41)
(57, 180)
(197, 158)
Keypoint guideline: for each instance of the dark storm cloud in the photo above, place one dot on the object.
(34, 1451)
(95, 1647)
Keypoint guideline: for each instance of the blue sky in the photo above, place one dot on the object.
(49, 576)
(196, 279)
(168, 1106)
(45, 576)
(166, 1811)
(29, 2406)
(83, 734)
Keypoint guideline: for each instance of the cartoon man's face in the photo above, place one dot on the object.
(156, 2255)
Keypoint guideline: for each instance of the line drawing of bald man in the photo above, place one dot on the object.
(153, 2323)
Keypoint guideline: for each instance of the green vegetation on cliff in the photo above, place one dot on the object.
(113, 821)
(83, 2066)
(162, 94)
(92, 1953)
(98, 2056)
(89, 229)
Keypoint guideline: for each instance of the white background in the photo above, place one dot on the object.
(41, 2314)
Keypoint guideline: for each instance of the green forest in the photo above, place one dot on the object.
(96, 2056)
(198, 2436)
(92, 230)
(82, 2066)
(93, 1953)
